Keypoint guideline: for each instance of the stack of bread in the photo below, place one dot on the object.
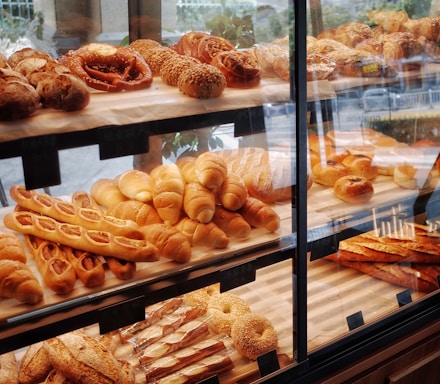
(407, 258)
(177, 340)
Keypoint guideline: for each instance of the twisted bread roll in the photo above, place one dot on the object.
(11, 247)
(168, 192)
(232, 223)
(259, 214)
(203, 234)
(99, 242)
(211, 170)
(17, 281)
(199, 202)
(64, 211)
(141, 213)
(136, 185)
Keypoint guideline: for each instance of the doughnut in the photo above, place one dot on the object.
(327, 173)
(354, 189)
(224, 309)
(360, 165)
(202, 296)
(202, 81)
(170, 70)
(253, 336)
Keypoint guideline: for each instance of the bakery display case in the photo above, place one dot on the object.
(227, 192)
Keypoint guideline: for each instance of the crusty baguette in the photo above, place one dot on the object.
(232, 193)
(169, 364)
(211, 170)
(83, 359)
(8, 368)
(168, 192)
(18, 281)
(99, 242)
(67, 212)
(209, 366)
(34, 365)
(198, 202)
(209, 234)
(259, 214)
(11, 247)
(170, 242)
(231, 223)
(57, 272)
(86, 265)
(136, 185)
(83, 199)
(141, 213)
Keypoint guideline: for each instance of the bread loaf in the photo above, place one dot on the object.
(83, 199)
(56, 377)
(260, 215)
(18, 281)
(199, 202)
(11, 247)
(8, 368)
(34, 365)
(168, 192)
(201, 234)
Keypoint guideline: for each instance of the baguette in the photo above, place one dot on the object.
(210, 169)
(259, 214)
(170, 242)
(168, 192)
(57, 272)
(11, 247)
(136, 185)
(18, 281)
(232, 193)
(122, 269)
(141, 213)
(86, 265)
(182, 337)
(8, 368)
(208, 234)
(98, 242)
(169, 364)
(231, 223)
(83, 199)
(34, 365)
(82, 359)
(216, 364)
(198, 202)
(70, 213)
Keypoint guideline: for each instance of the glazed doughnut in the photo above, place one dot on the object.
(209, 47)
(360, 165)
(202, 81)
(354, 189)
(240, 68)
(224, 309)
(254, 335)
(171, 70)
(328, 172)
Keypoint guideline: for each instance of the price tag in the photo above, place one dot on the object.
(355, 320)
(41, 166)
(122, 141)
(404, 297)
(249, 121)
(237, 276)
(121, 314)
(268, 363)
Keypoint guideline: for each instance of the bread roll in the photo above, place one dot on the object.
(211, 170)
(168, 191)
(141, 213)
(18, 100)
(259, 214)
(106, 193)
(199, 202)
(327, 173)
(208, 234)
(232, 193)
(353, 189)
(232, 223)
(186, 165)
(202, 81)
(410, 177)
(17, 281)
(360, 165)
(136, 185)
(8, 368)
(11, 247)
(171, 70)
(34, 365)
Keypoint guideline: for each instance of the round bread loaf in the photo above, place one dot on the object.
(327, 173)
(170, 70)
(360, 165)
(17, 100)
(353, 189)
(202, 81)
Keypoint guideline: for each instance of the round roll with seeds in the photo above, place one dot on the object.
(171, 70)
(202, 81)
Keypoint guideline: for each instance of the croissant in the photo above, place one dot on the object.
(232, 193)
(260, 215)
(171, 243)
(11, 247)
(17, 281)
(168, 192)
(211, 170)
(186, 165)
(202, 234)
(199, 202)
(137, 211)
(232, 223)
(135, 184)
